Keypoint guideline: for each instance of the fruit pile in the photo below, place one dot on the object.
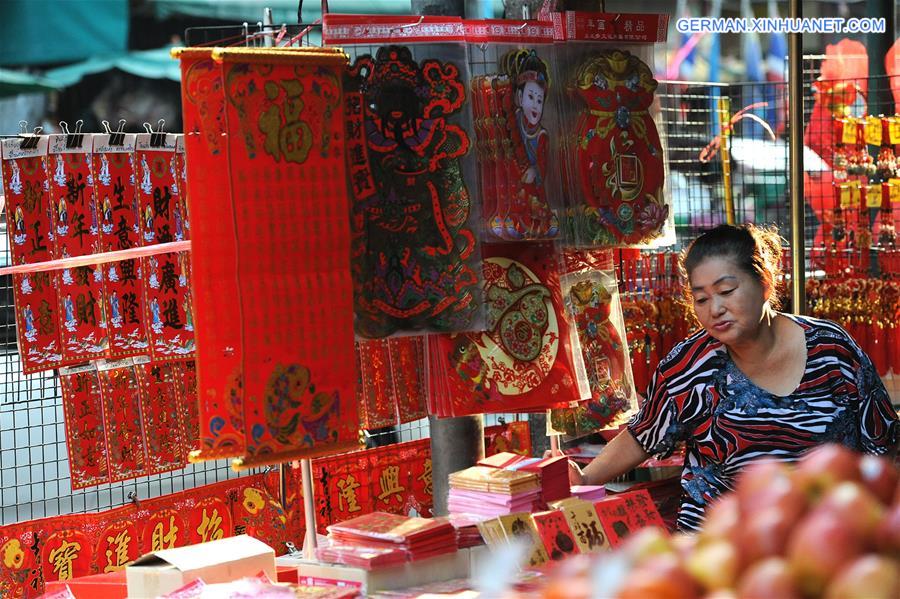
(828, 527)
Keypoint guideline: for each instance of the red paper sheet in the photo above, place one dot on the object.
(85, 429)
(186, 388)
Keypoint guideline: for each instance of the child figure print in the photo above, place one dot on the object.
(415, 264)
(530, 215)
(618, 155)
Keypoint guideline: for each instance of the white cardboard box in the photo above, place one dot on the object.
(224, 560)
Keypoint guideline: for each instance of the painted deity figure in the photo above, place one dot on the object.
(15, 180)
(28, 317)
(146, 183)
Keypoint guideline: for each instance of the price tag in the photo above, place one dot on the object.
(849, 135)
(894, 130)
(873, 196)
(872, 130)
(845, 196)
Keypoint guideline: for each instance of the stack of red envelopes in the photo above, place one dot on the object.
(491, 492)
(419, 538)
(466, 526)
(553, 473)
(367, 558)
(589, 492)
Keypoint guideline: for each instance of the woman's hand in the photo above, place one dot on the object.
(576, 476)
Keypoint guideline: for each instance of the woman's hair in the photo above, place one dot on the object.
(755, 250)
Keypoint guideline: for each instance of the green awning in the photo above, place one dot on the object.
(34, 32)
(153, 64)
(17, 82)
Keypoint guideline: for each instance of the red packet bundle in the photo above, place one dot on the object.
(522, 362)
(118, 213)
(167, 305)
(208, 191)
(122, 417)
(293, 391)
(30, 223)
(85, 429)
(163, 431)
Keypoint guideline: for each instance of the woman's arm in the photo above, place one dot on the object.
(620, 455)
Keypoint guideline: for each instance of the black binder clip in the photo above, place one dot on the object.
(76, 139)
(117, 137)
(158, 137)
(29, 140)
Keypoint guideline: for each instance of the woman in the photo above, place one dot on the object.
(753, 383)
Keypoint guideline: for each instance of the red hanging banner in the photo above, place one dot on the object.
(117, 205)
(219, 347)
(289, 231)
(162, 422)
(186, 388)
(30, 222)
(85, 429)
(167, 305)
(120, 390)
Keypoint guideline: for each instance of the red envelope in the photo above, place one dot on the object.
(555, 534)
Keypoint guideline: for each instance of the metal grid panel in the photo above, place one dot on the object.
(34, 464)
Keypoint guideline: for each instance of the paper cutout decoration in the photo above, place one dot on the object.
(121, 395)
(592, 299)
(30, 222)
(291, 393)
(508, 109)
(219, 348)
(522, 361)
(161, 418)
(618, 156)
(415, 264)
(85, 430)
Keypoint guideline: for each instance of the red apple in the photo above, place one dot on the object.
(662, 577)
(825, 467)
(769, 579)
(820, 544)
(647, 543)
(765, 534)
(868, 577)
(757, 478)
(880, 477)
(715, 565)
(855, 506)
(723, 520)
(887, 534)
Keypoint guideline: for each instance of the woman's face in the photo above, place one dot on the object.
(531, 99)
(729, 303)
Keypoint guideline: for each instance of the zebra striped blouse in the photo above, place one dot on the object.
(698, 396)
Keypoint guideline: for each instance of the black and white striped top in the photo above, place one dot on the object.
(698, 395)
